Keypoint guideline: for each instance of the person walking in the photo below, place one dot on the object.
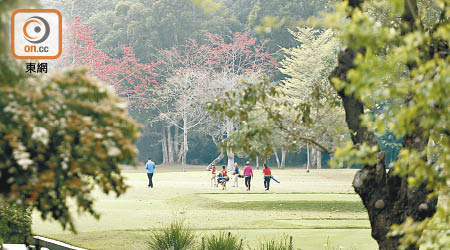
(236, 175)
(267, 176)
(213, 176)
(248, 175)
(150, 166)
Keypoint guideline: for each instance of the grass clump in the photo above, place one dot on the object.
(174, 237)
(285, 243)
(221, 241)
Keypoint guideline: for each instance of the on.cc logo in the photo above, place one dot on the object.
(37, 25)
(36, 34)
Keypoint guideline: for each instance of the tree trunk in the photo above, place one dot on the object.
(176, 143)
(230, 156)
(307, 159)
(276, 158)
(169, 144)
(313, 156)
(283, 157)
(319, 159)
(387, 197)
(257, 162)
(215, 161)
(230, 153)
(164, 146)
(185, 143)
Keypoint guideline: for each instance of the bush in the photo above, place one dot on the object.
(222, 241)
(283, 244)
(15, 223)
(174, 237)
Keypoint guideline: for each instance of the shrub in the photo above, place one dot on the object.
(222, 241)
(174, 237)
(15, 223)
(285, 243)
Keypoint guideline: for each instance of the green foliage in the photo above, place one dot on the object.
(174, 237)
(15, 223)
(222, 241)
(307, 68)
(303, 109)
(61, 137)
(285, 243)
(273, 18)
(420, 233)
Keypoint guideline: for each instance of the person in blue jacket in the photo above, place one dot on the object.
(150, 166)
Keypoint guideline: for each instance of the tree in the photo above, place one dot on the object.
(188, 90)
(405, 61)
(60, 137)
(307, 68)
(392, 68)
(237, 58)
(131, 79)
(201, 72)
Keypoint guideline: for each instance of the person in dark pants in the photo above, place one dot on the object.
(150, 166)
(267, 176)
(248, 175)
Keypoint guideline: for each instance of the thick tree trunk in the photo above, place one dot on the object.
(276, 157)
(164, 146)
(283, 157)
(169, 144)
(387, 197)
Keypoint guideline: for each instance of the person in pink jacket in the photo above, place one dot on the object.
(248, 175)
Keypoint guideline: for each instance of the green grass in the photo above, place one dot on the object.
(314, 206)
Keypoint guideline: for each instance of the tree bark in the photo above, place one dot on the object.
(313, 156)
(176, 143)
(387, 197)
(169, 144)
(164, 146)
(319, 159)
(283, 157)
(276, 157)
(257, 162)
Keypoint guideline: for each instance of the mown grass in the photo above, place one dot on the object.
(249, 203)
(284, 205)
(315, 206)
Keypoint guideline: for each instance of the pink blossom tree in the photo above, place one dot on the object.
(202, 72)
(131, 78)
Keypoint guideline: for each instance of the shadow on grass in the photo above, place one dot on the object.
(318, 206)
(278, 205)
